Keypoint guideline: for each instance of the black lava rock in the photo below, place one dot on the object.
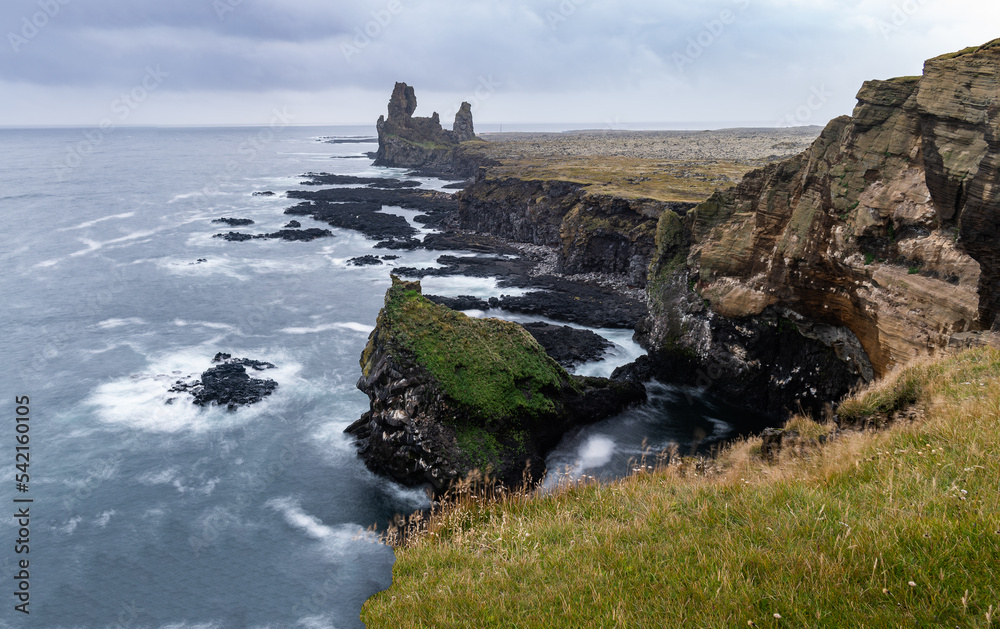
(300, 235)
(462, 302)
(234, 237)
(569, 346)
(365, 261)
(234, 222)
(228, 384)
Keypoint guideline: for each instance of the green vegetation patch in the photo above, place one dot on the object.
(897, 528)
(493, 368)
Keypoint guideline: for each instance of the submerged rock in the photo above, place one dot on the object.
(450, 394)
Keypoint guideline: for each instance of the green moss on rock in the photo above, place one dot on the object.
(493, 368)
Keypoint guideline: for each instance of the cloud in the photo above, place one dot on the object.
(750, 58)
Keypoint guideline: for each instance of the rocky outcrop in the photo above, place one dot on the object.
(875, 246)
(406, 141)
(592, 232)
(450, 394)
(228, 383)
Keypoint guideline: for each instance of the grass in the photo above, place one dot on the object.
(628, 177)
(890, 528)
(493, 368)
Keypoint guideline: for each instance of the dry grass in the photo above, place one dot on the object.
(661, 180)
(899, 527)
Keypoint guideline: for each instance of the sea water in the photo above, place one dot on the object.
(146, 513)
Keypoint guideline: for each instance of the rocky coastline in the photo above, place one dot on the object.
(777, 275)
(814, 274)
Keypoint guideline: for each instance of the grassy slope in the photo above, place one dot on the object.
(895, 528)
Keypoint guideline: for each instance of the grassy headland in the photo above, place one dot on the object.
(888, 528)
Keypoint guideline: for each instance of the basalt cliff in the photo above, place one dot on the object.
(876, 245)
(406, 141)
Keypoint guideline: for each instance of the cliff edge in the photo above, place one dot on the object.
(879, 241)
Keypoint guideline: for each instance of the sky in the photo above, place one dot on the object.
(605, 63)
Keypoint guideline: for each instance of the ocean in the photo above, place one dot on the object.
(145, 513)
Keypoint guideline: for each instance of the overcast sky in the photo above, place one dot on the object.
(609, 62)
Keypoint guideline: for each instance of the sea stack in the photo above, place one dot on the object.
(406, 141)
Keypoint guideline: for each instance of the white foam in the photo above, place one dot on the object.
(161, 477)
(140, 401)
(110, 324)
(181, 323)
(333, 538)
(98, 220)
(186, 266)
(70, 525)
(199, 193)
(95, 245)
(595, 452)
(350, 325)
(454, 286)
(315, 622)
(102, 520)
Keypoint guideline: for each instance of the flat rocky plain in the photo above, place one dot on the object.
(734, 145)
(670, 166)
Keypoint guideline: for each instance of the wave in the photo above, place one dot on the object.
(98, 220)
(350, 325)
(95, 245)
(103, 518)
(482, 287)
(171, 476)
(111, 324)
(333, 538)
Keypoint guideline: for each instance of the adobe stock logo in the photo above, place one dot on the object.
(31, 26)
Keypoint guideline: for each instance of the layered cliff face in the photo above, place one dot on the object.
(879, 242)
(592, 233)
(406, 141)
(451, 394)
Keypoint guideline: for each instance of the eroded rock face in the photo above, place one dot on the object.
(593, 233)
(406, 141)
(450, 394)
(879, 242)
